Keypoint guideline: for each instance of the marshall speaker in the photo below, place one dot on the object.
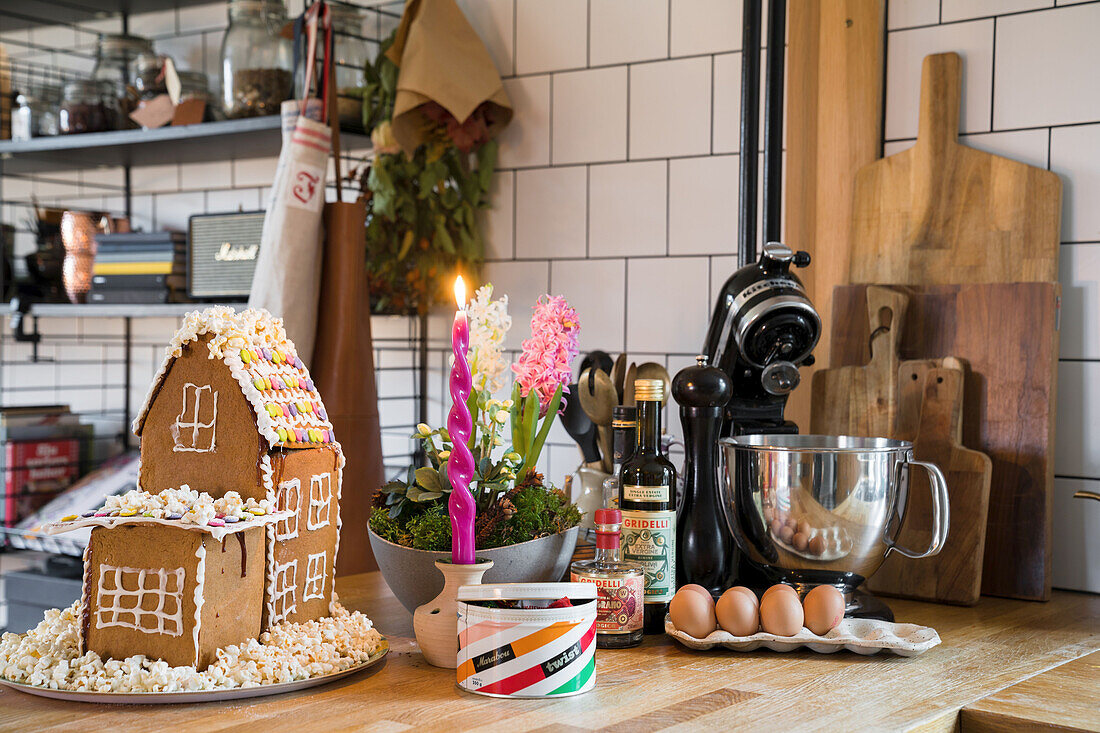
(221, 258)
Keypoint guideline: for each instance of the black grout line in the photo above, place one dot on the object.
(992, 74)
(587, 211)
(1076, 478)
(668, 207)
(994, 15)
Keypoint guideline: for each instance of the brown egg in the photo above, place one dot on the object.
(736, 613)
(696, 588)
(804, 527)
(786, 533)
(817, 545)
(780, 588)
(747, 593)
(792, 523)
(781, 614)
(800, 541)
(824, 609)
(693, 612)
(776, 527)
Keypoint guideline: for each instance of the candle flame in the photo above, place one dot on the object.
(460, 292)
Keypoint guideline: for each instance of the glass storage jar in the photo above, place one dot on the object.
(88, 106)
(116, 63)
(194, 85)
(257, 61)
(351, 54)
(149, 75)
(36, 112)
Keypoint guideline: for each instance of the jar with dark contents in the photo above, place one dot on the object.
(257, 61)
(149, 79)
(88, 106)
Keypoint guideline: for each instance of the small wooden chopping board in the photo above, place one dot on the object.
(934, 395)
(941, 213)
(862, 400)
(1008, 335)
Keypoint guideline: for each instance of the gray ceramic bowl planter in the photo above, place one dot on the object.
(412, 576)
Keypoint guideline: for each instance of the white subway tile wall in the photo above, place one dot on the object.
(618, 186)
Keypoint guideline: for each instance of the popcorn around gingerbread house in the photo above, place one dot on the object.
(231, 412)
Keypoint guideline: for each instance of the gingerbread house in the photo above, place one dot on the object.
(233, 408)
(232, 411)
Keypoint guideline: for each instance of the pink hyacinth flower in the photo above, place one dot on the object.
(547, 358)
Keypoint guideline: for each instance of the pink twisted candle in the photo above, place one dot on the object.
(460, 466)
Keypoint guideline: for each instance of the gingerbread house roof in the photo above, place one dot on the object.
(182, 508)
(252, 343)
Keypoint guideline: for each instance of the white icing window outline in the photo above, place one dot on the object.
(194, 424)
(284, 591)
(320, 501)
(316, 576)
(287, 529)
(168, 622)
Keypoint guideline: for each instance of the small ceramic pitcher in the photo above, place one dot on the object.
(436, 622)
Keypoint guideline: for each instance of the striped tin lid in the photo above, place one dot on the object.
(525, 591)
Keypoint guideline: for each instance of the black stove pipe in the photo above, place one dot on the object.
(750, 131)
(773, 120)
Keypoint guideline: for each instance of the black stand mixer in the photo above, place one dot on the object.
(763, 329)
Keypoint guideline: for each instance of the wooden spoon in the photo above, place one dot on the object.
(653, 370)
(597, 395)
(628, 385)
(618, 374)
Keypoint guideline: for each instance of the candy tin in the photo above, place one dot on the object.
(521, 640)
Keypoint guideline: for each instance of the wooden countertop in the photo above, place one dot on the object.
(986, 649)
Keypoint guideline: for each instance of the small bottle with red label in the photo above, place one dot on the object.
(620, 586)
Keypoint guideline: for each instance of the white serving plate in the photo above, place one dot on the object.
(859, 635)
(233, 693)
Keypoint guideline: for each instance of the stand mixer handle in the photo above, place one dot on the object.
(941, 512)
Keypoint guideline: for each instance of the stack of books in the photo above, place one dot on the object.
(139, 268)
(43, 449)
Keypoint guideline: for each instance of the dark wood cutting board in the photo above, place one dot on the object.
(941, 212)
(1008, 335)
(933, 395)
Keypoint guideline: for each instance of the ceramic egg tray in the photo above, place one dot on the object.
(862, 636)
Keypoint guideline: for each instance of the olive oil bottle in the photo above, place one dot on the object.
(647, 498)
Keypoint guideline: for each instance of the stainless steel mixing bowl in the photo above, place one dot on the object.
(820, 509)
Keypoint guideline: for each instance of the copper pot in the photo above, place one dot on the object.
(78, 230)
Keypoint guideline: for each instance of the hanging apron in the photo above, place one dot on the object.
(288, 267)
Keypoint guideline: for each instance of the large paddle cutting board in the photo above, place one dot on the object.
(941, 213)
(1008, 334)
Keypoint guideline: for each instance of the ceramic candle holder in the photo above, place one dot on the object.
(436, 622)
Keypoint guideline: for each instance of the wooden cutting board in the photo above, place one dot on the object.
(942, 213)
(1007, 333)
(930, 408)
(862, 400)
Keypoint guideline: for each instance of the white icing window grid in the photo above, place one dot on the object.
(113, 610)
(194, 424)
(316, 575)
(288, 498)
(320, 501)
(284, 599)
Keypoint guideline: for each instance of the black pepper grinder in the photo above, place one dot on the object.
(704, 547)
